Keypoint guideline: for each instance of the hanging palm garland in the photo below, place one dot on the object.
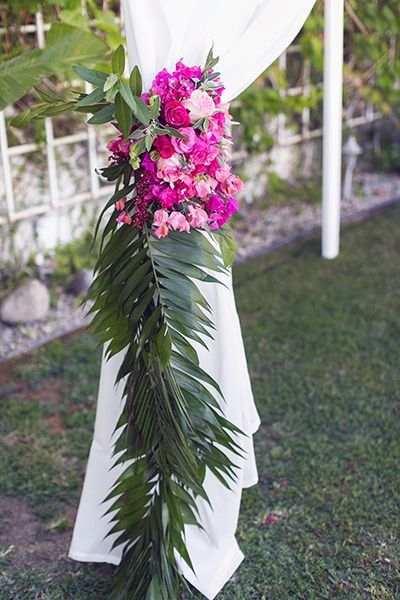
(166, 230)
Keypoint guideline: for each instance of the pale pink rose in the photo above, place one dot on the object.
(197, 217)
(200, 105)
(169, 168)
(181, 145)
(204, 185)
(160, 217)
(161, 231)
(204, 153)
(178, 221)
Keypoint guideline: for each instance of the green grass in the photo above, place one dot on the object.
(322, 340)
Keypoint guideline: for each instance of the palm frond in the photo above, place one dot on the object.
(148, 304)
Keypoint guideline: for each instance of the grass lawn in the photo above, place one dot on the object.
(322, 340)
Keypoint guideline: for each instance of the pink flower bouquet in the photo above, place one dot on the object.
(180, 159)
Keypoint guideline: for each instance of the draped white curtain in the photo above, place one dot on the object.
(248, 35)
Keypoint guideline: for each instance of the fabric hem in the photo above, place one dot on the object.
(95, 558)
(223, 574)
(248, 483)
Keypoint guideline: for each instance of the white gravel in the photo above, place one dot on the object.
(260, 230)
(67, 316)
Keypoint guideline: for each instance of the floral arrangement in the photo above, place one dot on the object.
(181, 160)
(166, 231)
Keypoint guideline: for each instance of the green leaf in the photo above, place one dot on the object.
(127, 95)
(92, 98)
(18, 75)
(118, 60)
(211, 60)
(227, 244)
(148, 305)
(65, 46)
(148, 140)
(123, 114)
(135, 81)
(110, 82)
(104, 115)
(141, 111)
(164, 345)
(91, 76)
(46, 96)
(175, 132)
(155, 107)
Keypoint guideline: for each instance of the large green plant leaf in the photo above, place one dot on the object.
(66, 46)
(18, 75)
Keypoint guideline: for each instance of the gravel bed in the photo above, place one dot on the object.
(66, 317)
(257, 230)
(275, 224)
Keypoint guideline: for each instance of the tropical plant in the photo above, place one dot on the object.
(66, 46)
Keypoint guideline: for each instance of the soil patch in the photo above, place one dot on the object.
(29, 540)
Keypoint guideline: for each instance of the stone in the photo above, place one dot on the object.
(81, 282)
(28, 302)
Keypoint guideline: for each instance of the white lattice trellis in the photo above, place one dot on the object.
(12, 213)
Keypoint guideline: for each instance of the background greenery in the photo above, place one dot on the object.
(372, 65)
(322, 343)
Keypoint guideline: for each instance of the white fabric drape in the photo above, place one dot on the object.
(248, 35)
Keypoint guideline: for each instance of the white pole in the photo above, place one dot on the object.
(7, 173)
(332, 128)
(48, 125)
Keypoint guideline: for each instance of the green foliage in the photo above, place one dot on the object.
(73, 256)
(66, 46)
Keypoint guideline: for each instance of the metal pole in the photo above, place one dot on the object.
(332, 140)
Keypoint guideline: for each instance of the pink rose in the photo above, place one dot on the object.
(197, 217)
(163, 146)
(176, 114)
(169, 168)
(200, 105)
(184, 145)
(203, 153)
(178, 221)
